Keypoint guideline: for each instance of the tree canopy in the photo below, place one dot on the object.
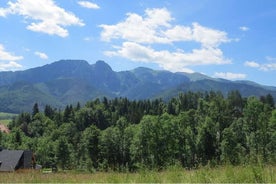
(191, 129)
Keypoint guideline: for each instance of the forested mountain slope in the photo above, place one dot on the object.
(72, 81)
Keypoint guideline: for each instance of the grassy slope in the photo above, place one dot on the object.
(4, 115)
(229, 174)
(5, 118)
(5, 122)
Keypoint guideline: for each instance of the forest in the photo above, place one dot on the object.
(191, 130)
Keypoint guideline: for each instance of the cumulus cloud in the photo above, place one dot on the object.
(87, 4)
(264, 66)
(229, 75)
(140, 34)
(9, 60)
(153, 29)
(244, 28)
(268, 67)
(252, 64)
(173, 61)
(41, 55)
(45, 15)
(7, 56)
(139, 29)
(12, 65)
(206, 36)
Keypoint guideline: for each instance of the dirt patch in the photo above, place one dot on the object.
(4, 128)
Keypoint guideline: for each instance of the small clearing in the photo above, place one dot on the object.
(4, 128)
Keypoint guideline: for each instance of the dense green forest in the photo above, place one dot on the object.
(190, 130)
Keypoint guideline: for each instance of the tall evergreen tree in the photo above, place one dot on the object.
(35, 109)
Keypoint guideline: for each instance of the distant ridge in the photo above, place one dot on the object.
(71, 81)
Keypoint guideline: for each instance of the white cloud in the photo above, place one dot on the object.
(252, 64)
(87, 4)
(138, 29)
(46, 16)
(3, 12)
(49, 28)
(229, 75)
(139, 35)
(152, 29)
(244, 28)
(7, 56)
(268, 67)
(173, 61)
(206, 36)
(12, 65)
(264, 67)
(41, 55)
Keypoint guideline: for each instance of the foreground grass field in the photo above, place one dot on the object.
(229, 174)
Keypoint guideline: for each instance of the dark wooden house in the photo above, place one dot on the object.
(11, 160)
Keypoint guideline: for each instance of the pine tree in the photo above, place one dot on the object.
(35, 110)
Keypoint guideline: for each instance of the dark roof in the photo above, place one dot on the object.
(9, 159)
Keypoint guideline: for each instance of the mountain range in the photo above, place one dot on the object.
(70, 81)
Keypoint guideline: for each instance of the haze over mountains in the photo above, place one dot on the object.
(71, 81)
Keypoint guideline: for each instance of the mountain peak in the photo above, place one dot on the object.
(70, 61)
(102, 66)
(71, 81)
(101, 62)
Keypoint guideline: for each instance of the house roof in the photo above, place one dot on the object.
(9, 159)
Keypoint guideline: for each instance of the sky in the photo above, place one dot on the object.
(230, 39)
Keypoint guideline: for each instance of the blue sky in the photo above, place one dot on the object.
(232, 39)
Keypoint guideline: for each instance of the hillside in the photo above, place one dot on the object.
(72, 81)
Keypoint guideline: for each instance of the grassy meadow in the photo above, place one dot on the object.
(221, 174)
(5, 122)
(5, 118)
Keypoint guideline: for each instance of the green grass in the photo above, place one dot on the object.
(5, 121)
(5, 118)
(221, 174)
(4, 115)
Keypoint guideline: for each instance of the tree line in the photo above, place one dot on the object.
(190, 130)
